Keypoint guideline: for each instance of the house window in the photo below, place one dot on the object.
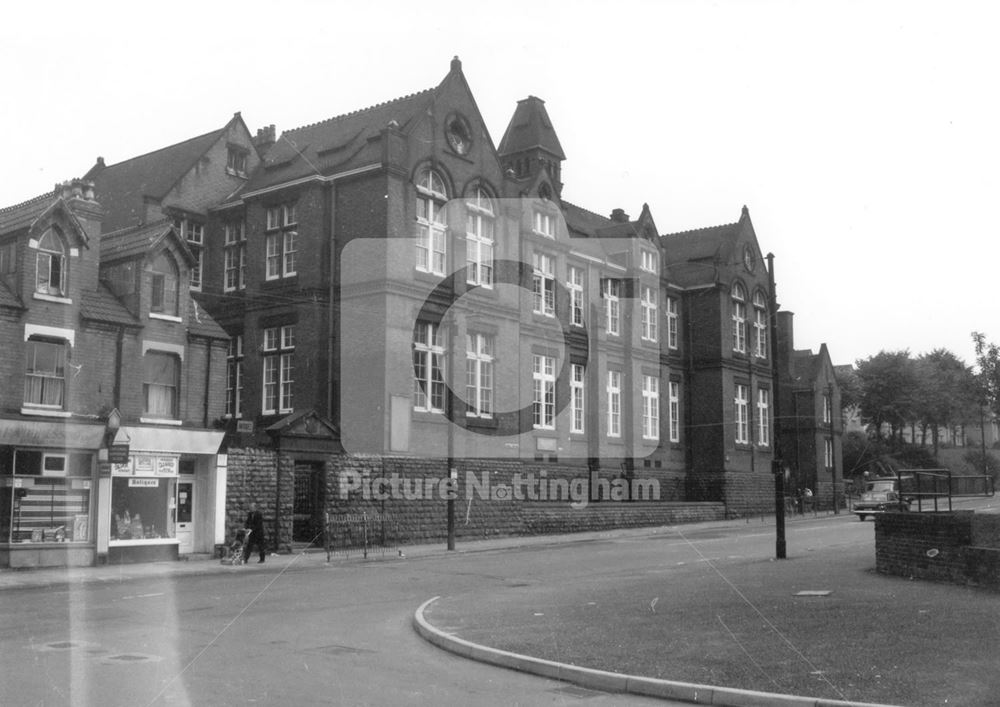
(432, 223)
(650, 407)
(649, 313)
(428, 368)
(543, 399)
(479, 239)
(739, 307)
(45, 374)
(164, 284)
(760, 325)
(674, 407)
(50, 264)
(544, 224)
(279, 348)
(8, 254)
(827, 409)
(235, 256)
(763, 417)
(479, 375)
(828, 453)
(612, 290)
(577, 400)
(544, 284)
(234, 377)
(236, 162)
(672, 321)
(194, 233)
(280, 246)
(160, 376)
(575, 286)
(647, 261)
(741, 412)
(614, 404)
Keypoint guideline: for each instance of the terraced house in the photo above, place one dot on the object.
(401, 297)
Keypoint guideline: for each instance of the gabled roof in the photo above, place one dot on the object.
(695, 257)
(530, 128)
(101, 305)
(122, 188)
(139, 240)
(337, 144)
(584, 222)
(24, 214)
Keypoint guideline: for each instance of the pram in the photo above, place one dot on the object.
(236, 548)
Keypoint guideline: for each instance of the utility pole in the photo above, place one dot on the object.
(833, 451)
(777, 466)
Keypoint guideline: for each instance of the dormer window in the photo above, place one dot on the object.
(163, 285)
(236, 161)
(50, 265)
(647, 261)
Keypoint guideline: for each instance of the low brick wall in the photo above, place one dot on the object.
(957, 547)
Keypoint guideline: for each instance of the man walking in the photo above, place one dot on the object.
(255, 524)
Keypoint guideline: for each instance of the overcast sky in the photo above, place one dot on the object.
(863, 136)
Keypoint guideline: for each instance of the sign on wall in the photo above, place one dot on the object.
(147, 465)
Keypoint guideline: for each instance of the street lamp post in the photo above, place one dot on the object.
(777, 466)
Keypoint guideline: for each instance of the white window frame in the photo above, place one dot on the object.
(574, 283)
(432, 223)
(650, 307)
(741, 414)
(611, 289)
(577, 383)
(614, 391)
(827, 409)
(672, 323)
(32, 373)
(828, 453)
(648, 261)
(543, 395)
(428, 357)
(193, 232)
(650, 407)
(760, 325)
(479, 374)
(543, 284)
(763, 417)
(739, 313)
(674, 410)
(234, 266)
(544, 224)
(278, 370)
(479, 234)
(234, 377)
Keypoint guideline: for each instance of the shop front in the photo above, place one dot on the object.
(164, 499)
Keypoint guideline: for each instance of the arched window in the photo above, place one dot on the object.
(760, 324)
(479, 234)
(163, 285)
(50, 264)
(739, 307)
(432, 224)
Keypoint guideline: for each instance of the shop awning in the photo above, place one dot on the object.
(53, 434)
(160, 439)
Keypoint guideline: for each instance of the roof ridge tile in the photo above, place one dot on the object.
(360, 110)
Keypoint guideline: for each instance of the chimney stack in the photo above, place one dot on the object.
(619, 216)
(265, 137)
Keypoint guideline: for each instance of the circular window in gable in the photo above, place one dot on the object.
(458, 134)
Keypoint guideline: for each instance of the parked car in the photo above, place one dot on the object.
(880, 495)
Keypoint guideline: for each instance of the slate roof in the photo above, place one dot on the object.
(101, 305)
(583, 221)
(8, 298)
(337, 144)
(692, 257)
(122, 188)
(139, 240)
(23, 214)
(530, 128)
(201, 324)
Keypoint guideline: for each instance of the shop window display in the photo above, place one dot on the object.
(44, 496)
(142, 508)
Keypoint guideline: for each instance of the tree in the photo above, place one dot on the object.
(988, 362)
(943, 396)
(888, 383)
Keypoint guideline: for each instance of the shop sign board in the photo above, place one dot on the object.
(144, 483)
(118, 454)
(147, 465)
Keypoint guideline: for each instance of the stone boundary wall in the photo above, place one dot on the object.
(957, 547)
(412, 492)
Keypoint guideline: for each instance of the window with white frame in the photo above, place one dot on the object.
(763, 417)
(432, 225)
(194, 233)
(674, 410)
(577, 400)
(543, 284)
(544, 224)
(649, 312)
(479, 239)
(50, 264)
(236, 161)
(479, 375)
(647, 261)
(574, 284)
(650, 407)
(164, 285)
(278, 360)
(673, 340)
(160, 381)
(45, 374)
(739, 307)
(235, 256)
(828, 453)
(543, 393)
(428, 367)
(281, 242)
(612, 289)
(827, 408)
(614, 404)
(760, 325)
(234, 377)
(741, 411)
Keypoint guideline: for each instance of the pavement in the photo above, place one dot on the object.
(725, 631)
